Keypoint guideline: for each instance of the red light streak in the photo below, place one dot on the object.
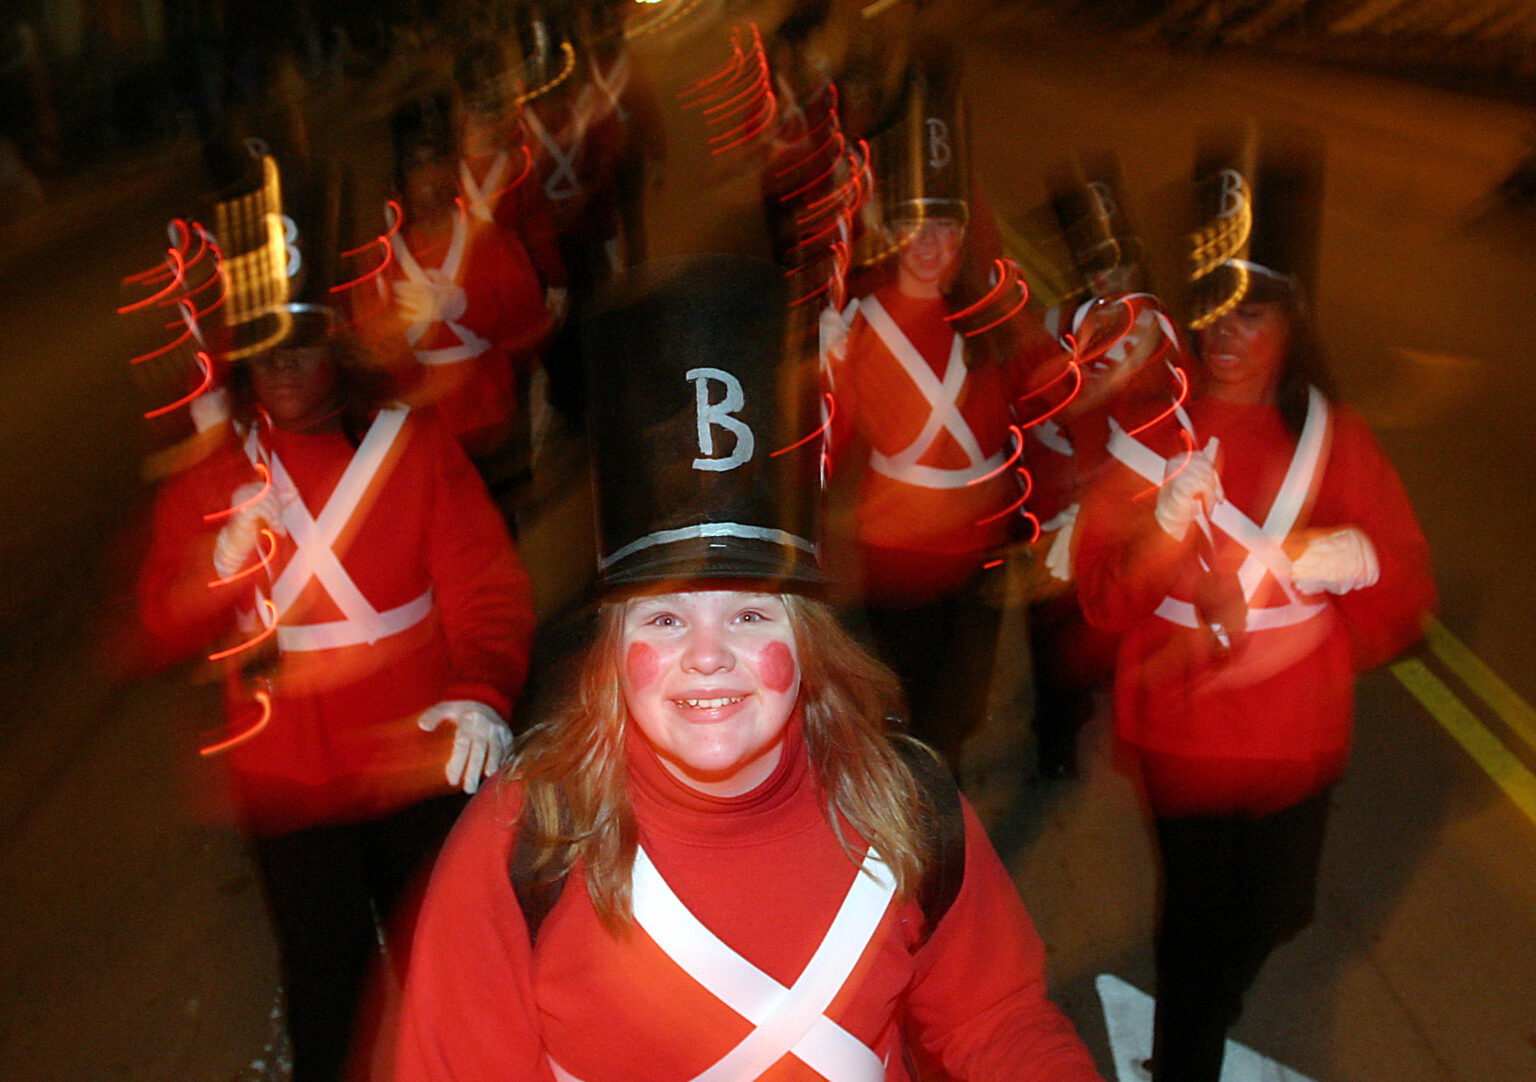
(744, 98)
(1018, 449)
(172, 344)
(732, 66)
(263, 560)
(825, 121)
(394, 215)
(266, 486)
(207, 367)
(1189, 452)
(177, 267)
(1029, 486)
(824, 174)
(1072, 369)
(265, 633)
(1007, 277)
(266, 715)
(1179, 399)
(769, 110)
(802, 441)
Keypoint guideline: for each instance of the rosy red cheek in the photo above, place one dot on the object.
(642, 665)
(776, 666)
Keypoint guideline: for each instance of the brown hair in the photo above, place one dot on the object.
(572, 769)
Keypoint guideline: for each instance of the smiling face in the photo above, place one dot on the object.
(1245, 351)
(930, 256)
(711, 678)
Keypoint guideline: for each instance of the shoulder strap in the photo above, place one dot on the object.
(536, 889)
(945, 824)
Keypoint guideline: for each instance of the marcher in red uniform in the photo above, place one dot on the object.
(467, 308)
(497, 179)
(1256, 556)
(921, 419)
(399, 604)
(1130, 358)
(714, 862)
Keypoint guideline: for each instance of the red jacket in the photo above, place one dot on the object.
(763, 873)
(924, 526)
(342, 741)
(1271, 723)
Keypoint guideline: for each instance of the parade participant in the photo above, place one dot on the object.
(922, 420)
(377, 624)
(1131, 359)
(468, 310)
(577, 141)
(714, 861)
(1255, 555)
(496, 177)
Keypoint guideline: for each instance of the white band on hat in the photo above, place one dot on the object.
(737, 530)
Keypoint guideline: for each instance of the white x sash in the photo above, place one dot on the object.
(480, 197)
(944, 414)
(471, 345)
(315, 558)
(1262, 542)
(787, 1020)
(612, 85)
(562, 182)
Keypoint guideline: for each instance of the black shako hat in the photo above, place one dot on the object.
(1087, 195)
(922, 161)
(279, 248)
(1258, 210)
(705, 431)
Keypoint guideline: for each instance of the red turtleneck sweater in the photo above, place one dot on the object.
(766, 875)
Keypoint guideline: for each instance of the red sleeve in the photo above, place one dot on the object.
(504, 275)
(978, 1003)
(480, 587)
(1364, 490)
(182, 609)
(468, 1012)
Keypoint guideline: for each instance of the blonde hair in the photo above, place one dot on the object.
(572, 767)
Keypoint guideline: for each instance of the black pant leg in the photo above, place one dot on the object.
(316, 887)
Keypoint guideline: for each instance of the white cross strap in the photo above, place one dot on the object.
(944, 413)
(787, 1020)
(1265, 554)
(471, 345)
(481, 196)
(315, 559)
(563, 182)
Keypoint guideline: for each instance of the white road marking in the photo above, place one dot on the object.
(1128, 1017)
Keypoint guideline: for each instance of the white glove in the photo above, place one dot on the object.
(210, 409)
(437, 299)
(237, 539)
(1058, 558)
(1338, 561)
(479, 747)
(1188, 488)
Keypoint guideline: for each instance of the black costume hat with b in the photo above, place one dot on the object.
(1258, 196)
(705, 431)
(1088, 198)
(922, 161)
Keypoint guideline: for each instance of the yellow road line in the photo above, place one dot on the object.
(1500, 697)
(1507, 772)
